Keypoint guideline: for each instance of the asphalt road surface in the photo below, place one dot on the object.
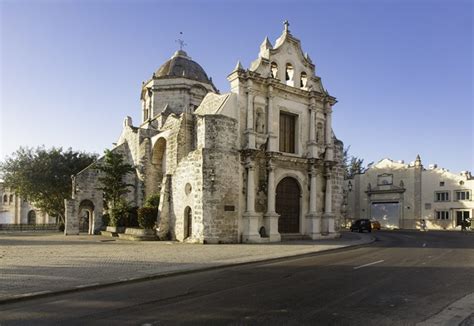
(402, 279)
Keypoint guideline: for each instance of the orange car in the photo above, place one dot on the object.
(375, 225)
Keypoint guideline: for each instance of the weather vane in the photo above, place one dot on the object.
(181, 42)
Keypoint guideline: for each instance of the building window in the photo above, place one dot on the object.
(287, 132)
(5, 199)
(303, 80)
(442, 215)
(11, 198)
(442, 196)
(462, 195)
(274, 69)
(441, 184)
(289, 74)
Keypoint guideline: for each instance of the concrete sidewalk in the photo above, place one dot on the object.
(36, 264)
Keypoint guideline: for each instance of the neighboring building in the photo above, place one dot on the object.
(401, 195)
(15, 210)
(251, 165)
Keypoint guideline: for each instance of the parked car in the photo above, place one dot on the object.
(361, 225)
(375, 225)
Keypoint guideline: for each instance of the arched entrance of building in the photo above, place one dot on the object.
(86, 211)
(32, 217)
(288, 205)
(188, 223)
(158, 158)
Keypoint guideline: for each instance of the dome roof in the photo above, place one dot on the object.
(180, 65)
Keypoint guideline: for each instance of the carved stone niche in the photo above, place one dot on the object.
(260, 127)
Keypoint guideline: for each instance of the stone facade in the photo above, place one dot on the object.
(400, 195)
(247, 166)
(16, 210)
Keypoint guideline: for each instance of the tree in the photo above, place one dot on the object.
(43, 176)
(114, 170)
(352, 165)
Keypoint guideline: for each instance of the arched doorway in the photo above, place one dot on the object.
(188, 223)
(158, 158)
(86, 210)
(32, 217)
(288, 205)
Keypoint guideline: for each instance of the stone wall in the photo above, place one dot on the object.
(187, 192)
(86, 188)
(221, 182)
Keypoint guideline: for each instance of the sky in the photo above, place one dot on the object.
(402, 71)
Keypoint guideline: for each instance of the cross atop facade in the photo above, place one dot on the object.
(181, 42)
(286, 24)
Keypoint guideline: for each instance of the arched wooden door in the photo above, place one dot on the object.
(32, 217)
(86, 216)
(288, 205)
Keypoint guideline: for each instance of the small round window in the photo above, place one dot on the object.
(461, 182)
(188, 188)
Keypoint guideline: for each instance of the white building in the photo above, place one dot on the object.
(400, 195)
(15, 210)
(253, 165)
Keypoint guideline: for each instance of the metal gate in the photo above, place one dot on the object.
(288, 206)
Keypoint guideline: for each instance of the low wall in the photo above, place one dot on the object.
(29, 227)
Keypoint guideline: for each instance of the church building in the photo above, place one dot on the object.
(258, 164)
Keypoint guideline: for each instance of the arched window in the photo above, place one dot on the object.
(5, 199)
(303, 80)
(188, 223)
(145, 111)
(11, 198)
(31, 217)
(289, 72)
(274, 69)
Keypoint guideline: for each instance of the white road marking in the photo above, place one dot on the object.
(33, 293)
(369, 264)
(85, 285)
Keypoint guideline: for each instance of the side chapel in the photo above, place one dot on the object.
(258, 164)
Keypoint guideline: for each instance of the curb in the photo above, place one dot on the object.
(94, 286)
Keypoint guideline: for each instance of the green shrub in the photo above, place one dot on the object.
(105, 219)
(152, 201)
(147, 217)
(119, 213)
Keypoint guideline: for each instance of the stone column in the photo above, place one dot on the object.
(71, 226)
(312, 145)
(329, 144)
(251, 228)
(143, 111)
(271, 217)
(328, 214)
(250, 132)
(272, 137)
(313, 219)
(250, 188)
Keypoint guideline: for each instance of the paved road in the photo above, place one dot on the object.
(34, 263)
(402, 279)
